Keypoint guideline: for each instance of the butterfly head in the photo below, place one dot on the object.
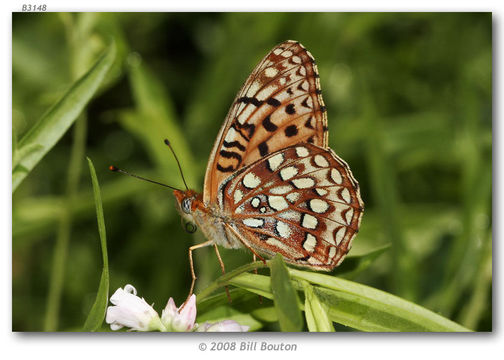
(187, 202)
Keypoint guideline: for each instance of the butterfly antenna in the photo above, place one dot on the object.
(178, 163)
(116, 169)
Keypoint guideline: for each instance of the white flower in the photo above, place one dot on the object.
(179, 319)
(222, 326)
(131, 311)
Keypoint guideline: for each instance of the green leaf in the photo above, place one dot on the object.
(286, 301)
(41, 138)
(258, 284)
(316, 315)
(355, 305)
(97, 313)
(367, 309)
(354, 265)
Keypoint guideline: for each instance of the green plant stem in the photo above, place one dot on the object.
(65, 227)
(224, 279)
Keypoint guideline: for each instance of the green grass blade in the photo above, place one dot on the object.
(286, 301)
(367, 309)
(37, 142)
(97, 313)
(24, 152)
(316, 315)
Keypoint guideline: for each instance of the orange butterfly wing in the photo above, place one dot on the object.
(279, 105)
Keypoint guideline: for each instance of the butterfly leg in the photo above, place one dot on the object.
(222, 269)
(193, 274)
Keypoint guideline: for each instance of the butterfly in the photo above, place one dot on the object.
(272, 184)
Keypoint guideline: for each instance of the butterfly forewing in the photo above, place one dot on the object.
(301, 201)
(279, 105)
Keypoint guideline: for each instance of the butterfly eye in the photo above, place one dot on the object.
(186, 205)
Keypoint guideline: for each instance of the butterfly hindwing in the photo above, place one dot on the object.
(301, 201)
(279, 105)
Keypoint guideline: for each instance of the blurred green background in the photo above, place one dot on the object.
(409, 99)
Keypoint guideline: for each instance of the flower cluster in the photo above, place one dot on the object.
(133, 312)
